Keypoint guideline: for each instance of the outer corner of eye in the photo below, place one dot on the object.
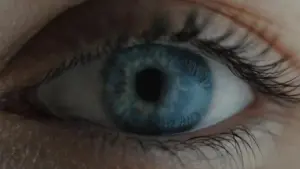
(149, 89)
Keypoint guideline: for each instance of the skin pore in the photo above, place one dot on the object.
(29, 144)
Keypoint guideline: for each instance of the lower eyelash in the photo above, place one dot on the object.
(221, 144)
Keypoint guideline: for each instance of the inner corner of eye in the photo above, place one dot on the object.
(154, 90)
(25, 103)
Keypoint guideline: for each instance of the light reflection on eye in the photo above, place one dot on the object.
(75, 88)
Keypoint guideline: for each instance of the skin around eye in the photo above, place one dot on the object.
(24, 21)
(50, 139)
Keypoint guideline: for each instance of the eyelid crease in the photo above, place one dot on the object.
(225, 5)
(261, 32)
(238, 14)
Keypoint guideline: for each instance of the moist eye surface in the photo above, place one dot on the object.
(149, 89)
(157, 89)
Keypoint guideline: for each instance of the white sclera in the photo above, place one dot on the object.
(76, 93)
(230, 95)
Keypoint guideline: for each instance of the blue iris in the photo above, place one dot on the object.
(157, 89)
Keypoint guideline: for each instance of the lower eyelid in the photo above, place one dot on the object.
(44, 141)
(54, 128)
(252, 111)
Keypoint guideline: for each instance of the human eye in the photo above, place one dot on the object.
(191, 84)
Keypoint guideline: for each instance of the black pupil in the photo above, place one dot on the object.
(150, 83)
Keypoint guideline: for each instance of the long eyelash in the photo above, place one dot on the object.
(85, 57)
(216, 142)
(263, 78)
(67, 65)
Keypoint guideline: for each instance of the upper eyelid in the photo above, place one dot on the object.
(22, 19)
(238, 13)
(226, 6)
(234, 19)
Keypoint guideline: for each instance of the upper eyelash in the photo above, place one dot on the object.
(262, 78)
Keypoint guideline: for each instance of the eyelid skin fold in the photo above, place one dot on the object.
(253, 20)
(21, 19)
(16, 68)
